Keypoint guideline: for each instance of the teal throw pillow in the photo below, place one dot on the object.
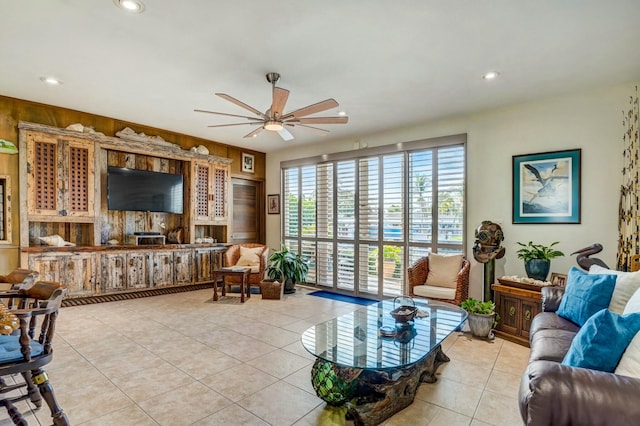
(602, 340)
(585, 295)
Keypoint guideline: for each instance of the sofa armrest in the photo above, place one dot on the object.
(551, 297)
(556, 394)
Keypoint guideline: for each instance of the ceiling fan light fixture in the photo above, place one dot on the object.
(273, 125)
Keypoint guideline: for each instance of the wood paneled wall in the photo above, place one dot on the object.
(12, 111)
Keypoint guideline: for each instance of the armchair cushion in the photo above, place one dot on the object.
(601, 341)
(585, 295)
(249, 256)
(443, 270)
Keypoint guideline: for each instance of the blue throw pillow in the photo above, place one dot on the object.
(602, 340)
(585, 295)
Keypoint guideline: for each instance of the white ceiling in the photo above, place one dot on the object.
(388, 64)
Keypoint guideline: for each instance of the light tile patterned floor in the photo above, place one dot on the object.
(182, 359)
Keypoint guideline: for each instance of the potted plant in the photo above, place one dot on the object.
(537, 258)
(288, 268)
(390, 259)
(482, 316)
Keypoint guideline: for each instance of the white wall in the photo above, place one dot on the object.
(589, 120)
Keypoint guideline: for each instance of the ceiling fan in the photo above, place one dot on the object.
(274, 119)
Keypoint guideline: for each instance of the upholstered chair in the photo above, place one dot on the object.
(250, 255)
(446, 281)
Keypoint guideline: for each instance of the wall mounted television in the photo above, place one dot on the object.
(141, 190)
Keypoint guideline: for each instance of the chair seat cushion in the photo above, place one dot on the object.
(434, 292)
(10, 349)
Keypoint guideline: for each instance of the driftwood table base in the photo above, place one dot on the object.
(372, 396)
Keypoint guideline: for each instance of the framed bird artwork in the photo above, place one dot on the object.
(546, 187)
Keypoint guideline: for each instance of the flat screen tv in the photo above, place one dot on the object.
(140, 190)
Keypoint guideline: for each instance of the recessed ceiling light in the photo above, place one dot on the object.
(50, 80)
(342, 113)
(133, 6)
(491, 75)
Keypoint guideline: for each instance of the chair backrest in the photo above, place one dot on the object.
(19, 278)
(36, 309)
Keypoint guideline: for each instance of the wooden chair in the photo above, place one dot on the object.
(232, 255)
(32, 312)
(417, 276)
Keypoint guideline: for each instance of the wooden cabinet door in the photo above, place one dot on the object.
(49, 266)
(79, 178)
(182, 266)
(529, 310)
(162, 273)
(80, 274)
(509, 314)
(113, 276)
(220, 187)
(204, 258)
(137, 270)
(44, 179)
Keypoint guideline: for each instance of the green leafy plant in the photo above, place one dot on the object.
(532, 251)
(474, 306)
(285, 265)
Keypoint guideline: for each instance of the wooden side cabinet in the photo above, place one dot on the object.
(516, 307)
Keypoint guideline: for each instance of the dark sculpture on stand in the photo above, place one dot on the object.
(487, 249)
(583, 257)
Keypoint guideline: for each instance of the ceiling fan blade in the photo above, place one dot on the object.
(312, 109)
(241, 104)
(254, 132)
(235, 124)
(285, 135)
(280, 97)
(316, 129)
(323, 120)
(225, 114)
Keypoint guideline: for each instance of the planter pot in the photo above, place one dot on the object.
(481, 325)
(537, 269)
(289, 286)
(388, 267)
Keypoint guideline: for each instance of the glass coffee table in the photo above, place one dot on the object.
(377, 375)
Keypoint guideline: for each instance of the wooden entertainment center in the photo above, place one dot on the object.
(63, 191)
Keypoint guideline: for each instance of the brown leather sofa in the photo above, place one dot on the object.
(556, 394)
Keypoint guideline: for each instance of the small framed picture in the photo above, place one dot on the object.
(558, 280)
(248, 163)
(273, 204)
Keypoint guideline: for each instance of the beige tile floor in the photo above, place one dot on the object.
(182, 359)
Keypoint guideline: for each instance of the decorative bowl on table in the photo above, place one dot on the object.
(403, 312)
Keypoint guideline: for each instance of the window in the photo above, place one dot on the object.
(362, 217)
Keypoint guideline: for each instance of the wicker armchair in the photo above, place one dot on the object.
(231, 257)
(417, 276)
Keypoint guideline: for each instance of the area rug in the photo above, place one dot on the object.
(343, 297)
